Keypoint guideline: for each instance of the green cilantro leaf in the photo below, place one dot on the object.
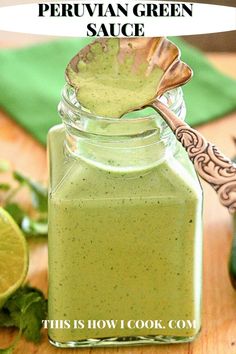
(34, 227)
(39, 192)
(15, 211)
(8, 350)
(5, 187)
(25, 309)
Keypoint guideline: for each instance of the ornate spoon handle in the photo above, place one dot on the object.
(209, 162)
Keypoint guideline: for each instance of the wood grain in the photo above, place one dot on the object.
(218, 335)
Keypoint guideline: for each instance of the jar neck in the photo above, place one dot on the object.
(134, 142)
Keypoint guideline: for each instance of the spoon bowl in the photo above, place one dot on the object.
(157, 52)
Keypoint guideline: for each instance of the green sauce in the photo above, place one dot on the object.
(108, 87)
(123, 245)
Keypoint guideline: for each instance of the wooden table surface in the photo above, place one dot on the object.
(218, 335)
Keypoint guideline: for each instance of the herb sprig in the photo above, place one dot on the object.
(25, 310)
(34, 222)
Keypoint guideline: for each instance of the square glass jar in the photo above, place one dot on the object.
(125, 230)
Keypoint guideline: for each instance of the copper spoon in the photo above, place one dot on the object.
(209, 162)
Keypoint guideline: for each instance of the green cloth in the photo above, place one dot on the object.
(31, 80)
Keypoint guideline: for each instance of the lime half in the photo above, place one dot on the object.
(13, 256)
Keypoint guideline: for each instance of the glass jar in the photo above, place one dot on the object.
(125, 230)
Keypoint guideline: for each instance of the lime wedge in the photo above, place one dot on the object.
(13, 256)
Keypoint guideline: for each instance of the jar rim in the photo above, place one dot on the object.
(86, 132)
(173, 99)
